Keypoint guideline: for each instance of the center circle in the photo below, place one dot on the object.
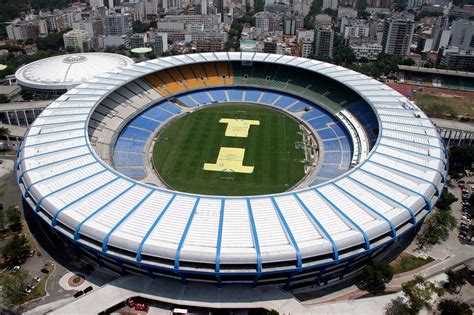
(232, 150)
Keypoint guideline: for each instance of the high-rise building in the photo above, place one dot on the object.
(269, 46)
(306, 48)
(138, 40)
(78, 39)
(323, 42)
(161, 43)
(118, 24)
(203, 7)
(462, 34)
(397, 35)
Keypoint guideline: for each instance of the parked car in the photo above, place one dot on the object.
(44, 270)
(15, 269)
(31, 253)
(27, 290)
(37, 279)
(78, 294)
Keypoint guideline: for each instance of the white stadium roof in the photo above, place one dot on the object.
(61, 173)
(67, 71)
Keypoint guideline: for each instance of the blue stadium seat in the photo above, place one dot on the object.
(284, 101)
(332, 157)
(218, 96)
(297, 107)
(252, 95)
(326, 133)
(156, 113)
(202, 98)
(268, 98)
(235, 95)
(128, 159)
(133, 133)
(170, 107)
(129, 145)
(144, 122)
(331, 145)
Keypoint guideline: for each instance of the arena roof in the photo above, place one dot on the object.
(66, 71)
(399, 182)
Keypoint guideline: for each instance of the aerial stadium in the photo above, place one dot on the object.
(233, 168)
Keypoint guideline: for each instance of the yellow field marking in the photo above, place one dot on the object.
(238, 127)
(231, 159)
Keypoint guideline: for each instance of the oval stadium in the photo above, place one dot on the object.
(233, 168)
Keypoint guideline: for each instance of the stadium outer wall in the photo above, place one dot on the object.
(332, 265)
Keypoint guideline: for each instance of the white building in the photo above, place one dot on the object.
(161, 43)
(79, 39)
(367, 50)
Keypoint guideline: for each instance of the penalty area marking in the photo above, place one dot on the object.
(229, 159)
(238, 127)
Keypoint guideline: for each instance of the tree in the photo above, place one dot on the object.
(377, 274)
(397, 307)
(16, 248)
(14, 218)
(13, 286)
(342, 54)
(419, 292)
(27, 94)
(453, 307)
(54, 41)
(314, 9)
(4, 132)
(456, 279)
(4, 99)
(446, 200)
(400, 5)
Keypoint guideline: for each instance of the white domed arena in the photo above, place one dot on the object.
(373, 167)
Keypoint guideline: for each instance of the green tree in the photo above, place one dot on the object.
(419, 292)
(453, 307)
(26, 94)
(314, 9)
(377, 274)
(17, 247)
(4, 99)
(14, 218)
(446, 200)
(400, 5)
(456, 279)
(397, 307)
(4, 132)
(342, 54)
(13, 286)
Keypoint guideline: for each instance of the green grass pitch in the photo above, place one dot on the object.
(184, 146)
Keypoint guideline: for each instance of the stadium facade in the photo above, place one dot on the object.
(72, 161)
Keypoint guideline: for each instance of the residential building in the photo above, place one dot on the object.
(79, 39)
(118, 24)
(462, 34)
(397, 35)
(323, 42)
(270, 46)
(160, 44)
(306, 48)
(367, 50)
(138, 40)
(456, 59)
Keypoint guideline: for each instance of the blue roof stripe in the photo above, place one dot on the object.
(185, 233)
(290, 235)
(255, 236)
(405, 173)
(152, 227)
(427, 201)
(410, 211)
(38, 203)
(55, 216)
(411, 162)
(105, 242)
(55, 132)
(315, 221)
(219, 236)
(412, 152)
(366, 238)
(390, 224)
(53, 141)
(49, 164)
(56, 175)
(78, 227)
(412, 133)
(49, 152)
(413, 142)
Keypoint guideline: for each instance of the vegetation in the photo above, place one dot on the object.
(314, 9)
(454, 307)
(397, 307)
(377, 274)
(184, 146)
(460, 159)
(14, 218)
(440, 223)
(444, 106)
(456, 279)
(140, 27)
(406, 262)
(4, 99)
(419, 292)
(54, 41)
(16, 248)
(385, 65)
(13, 286)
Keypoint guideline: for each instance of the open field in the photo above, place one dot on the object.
(186, 145)
(445, 106)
